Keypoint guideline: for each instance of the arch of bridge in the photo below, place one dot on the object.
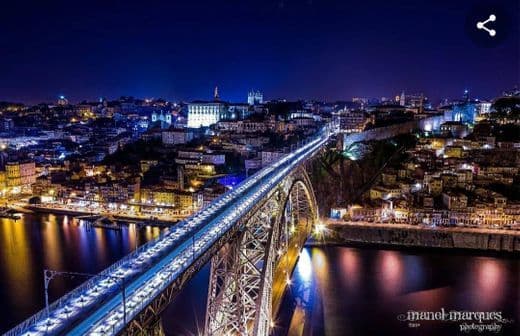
(240, 298)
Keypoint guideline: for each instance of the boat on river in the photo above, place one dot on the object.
(106, 223)
(6, 212)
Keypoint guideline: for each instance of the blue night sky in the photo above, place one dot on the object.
(322, 49)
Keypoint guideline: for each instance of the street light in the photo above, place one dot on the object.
(48, 275)
(319, 229)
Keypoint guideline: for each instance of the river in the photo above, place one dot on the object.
(335, 290)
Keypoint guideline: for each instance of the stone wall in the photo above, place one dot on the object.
(452, 238)
(424, 124)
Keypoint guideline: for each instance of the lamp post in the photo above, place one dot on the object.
(48, 275)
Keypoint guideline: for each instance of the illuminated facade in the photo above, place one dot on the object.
(183, 200)
(484, 108)
(204, 114)
(20, 175)
(255, 98)
(164, 118)
(464, 113)
(353, 121)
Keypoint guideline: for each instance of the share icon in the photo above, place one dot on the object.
(482, 25)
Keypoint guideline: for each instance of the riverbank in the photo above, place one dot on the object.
(127, 218)
(420, 236)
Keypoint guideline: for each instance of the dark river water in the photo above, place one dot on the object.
(335, 290)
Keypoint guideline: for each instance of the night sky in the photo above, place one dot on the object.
(322, 49)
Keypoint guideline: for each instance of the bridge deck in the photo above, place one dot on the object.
(96, 307)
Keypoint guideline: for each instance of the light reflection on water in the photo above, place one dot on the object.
(36, 242)
(390, 269)
(304, 267)
(360, 291)
(489, 277)
(15, 262)
(350, 268)
(334, 291)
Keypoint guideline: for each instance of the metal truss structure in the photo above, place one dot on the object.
(148, 322)
(244, 262)
(248, 270)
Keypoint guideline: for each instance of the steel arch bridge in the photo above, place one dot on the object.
(252, 235)
(249, 266)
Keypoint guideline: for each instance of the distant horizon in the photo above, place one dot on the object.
(77, 100)
(325, 50)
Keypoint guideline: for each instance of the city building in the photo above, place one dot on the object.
(454, 128)
(20, 175)
(255, 98)
(204, 114)
(62, 101)
(454, 201)
(177, 136)
(270, 156)
(164, 118)
(352, 121)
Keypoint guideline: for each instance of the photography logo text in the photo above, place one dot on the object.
(469, 321)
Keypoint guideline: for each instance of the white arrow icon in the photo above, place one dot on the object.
(482, 25)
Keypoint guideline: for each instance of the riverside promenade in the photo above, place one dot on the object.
(500, 240)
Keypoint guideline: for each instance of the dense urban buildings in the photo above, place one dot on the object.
(150, 158)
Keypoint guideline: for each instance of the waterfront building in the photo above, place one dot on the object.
(180, 199)
(121, 191)
(368, 212)
(20, 175)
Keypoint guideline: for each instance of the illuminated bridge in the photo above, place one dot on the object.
(252, 235)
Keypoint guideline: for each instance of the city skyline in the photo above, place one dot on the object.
(301, 49)
(244, 98)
